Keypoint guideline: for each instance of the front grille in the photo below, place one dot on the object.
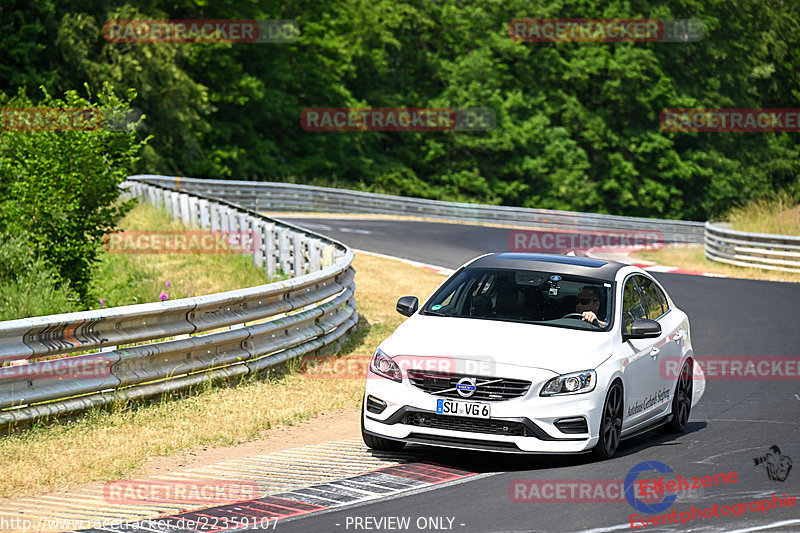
(432, 382)
(460, 423)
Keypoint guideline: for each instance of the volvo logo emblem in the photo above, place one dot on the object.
(466, 387)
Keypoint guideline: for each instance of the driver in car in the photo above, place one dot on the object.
(588, 304)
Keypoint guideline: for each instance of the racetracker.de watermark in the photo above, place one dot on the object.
(736, 368)
(66, 118)
(179, 242)
(320, 367)
(730, 120)
(557, 242)
(200, 31)
(397, 119)
(81, 367)
(606, 30)
(572, 491)
(196, 523)
(195, 492)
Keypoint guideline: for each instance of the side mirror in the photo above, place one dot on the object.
(407, 305)
(643, 328)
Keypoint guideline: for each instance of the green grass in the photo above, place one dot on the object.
(126, 279)
(28, 285)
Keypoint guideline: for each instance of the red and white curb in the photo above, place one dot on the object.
(266, 511)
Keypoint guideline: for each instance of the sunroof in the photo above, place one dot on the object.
(561, 259)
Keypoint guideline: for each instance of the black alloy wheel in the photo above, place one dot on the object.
(610, 424)
(681, 401)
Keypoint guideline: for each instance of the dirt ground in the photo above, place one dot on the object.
(326, 427)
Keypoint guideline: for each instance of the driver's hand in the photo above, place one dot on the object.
(589, 317)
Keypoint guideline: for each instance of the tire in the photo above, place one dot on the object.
(379, 443)
(681, 402)
(610, 423)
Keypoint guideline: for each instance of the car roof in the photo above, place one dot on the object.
(559, 264)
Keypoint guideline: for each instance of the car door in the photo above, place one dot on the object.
(668, 347)
(642, 379)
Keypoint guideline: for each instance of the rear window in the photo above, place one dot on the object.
(533, 297)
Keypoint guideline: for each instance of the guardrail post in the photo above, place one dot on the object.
(214, 208)
(205, 219)
(225, 219)
(270, 249)
(134, 188)
(259, 243)
(233, 221)
(184, 208)
(299, 254)
(243, 224)
(194, 216)
(314, 254)
(174, 208)
(284, 251)
(142, 192)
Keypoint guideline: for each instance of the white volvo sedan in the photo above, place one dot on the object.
(532, 353)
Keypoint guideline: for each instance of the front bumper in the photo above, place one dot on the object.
(521, 425)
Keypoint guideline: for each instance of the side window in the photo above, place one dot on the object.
(632, 305)
(655, 299)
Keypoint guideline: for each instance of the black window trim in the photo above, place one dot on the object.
(644, 294)
(622, 298)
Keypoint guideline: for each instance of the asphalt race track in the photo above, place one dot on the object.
(734, 423)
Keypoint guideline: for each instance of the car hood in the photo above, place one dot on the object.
(560, 350)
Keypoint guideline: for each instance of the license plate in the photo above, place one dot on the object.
(471, 409)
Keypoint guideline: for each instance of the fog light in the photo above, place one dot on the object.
(375, 405)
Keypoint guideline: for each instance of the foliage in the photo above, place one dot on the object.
(61, 187)
(577, 123)
(778, 214)
(28, 287)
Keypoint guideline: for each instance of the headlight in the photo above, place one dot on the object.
(575, 383)
(383, 365)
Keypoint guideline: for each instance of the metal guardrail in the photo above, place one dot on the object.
(187, 341)
(753, 250)
(271, 196)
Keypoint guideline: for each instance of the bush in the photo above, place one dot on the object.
(61, 187)
(28, 287)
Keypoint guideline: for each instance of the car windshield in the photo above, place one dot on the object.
(533, 297)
